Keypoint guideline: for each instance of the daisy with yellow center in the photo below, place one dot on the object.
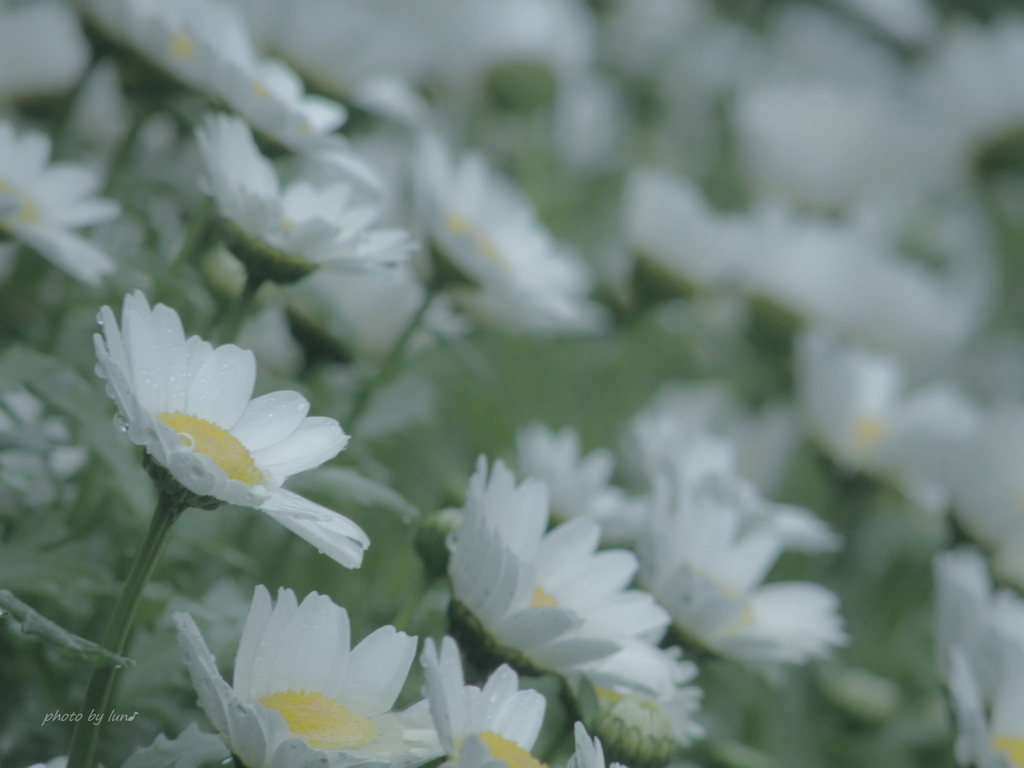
(42, 202)
(541, 600)
(476, 726)
(189, 405)
(299, 692)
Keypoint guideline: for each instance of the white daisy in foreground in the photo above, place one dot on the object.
(301, 697)
(541, 601)
(705, 560)
(188, 404)
(475, 726)
(522, 277)
(580, 486)
(285, 234)
(40, 203)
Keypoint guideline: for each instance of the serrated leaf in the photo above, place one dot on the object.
(192, 749)
(62, 388)
(345, 486)
(34, 623)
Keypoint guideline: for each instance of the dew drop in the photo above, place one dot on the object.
(99, 317)
(121, 422)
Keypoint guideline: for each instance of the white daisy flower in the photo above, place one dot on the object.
(206, 45)
(704, 557)
(523, 278)
(857, 406)
(41, 202)
(300, 697)
(189, 405)
(989, 735)
(288, 233)
(498, 722)
(580, 486)
(542, 601)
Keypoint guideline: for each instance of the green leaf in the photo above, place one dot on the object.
(62, 388)
(34, 623)
(192, 749)
(346, 487)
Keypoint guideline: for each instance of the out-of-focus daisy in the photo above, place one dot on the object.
(855, 404)
(589, 753)
(300, 696)
(285, 234)
(704, 557)
(990, 734)
(25, 30)
(474, 726)
(206, 45)
(41, 202)
(521, 277)
(189, 405)
(541, 601)
(579, 486)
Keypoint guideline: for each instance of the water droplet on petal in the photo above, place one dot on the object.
(121, 422)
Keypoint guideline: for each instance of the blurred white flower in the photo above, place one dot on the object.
(542, 601)
(189, 404)
(499, 722)
(523, 279)
(845, 276)
(25, 30)
(301, 227)
(206, 45)
(855, 403)
(301, 697)
(704, 555)
(990, 734)
(41, 202)
(579, 486)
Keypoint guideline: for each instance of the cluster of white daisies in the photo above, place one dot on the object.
(861, 223)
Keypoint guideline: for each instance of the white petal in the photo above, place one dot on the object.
(317, 440)
(378, 667)
(269, 419)
(252, 633)
(222, 386)
(334, 535)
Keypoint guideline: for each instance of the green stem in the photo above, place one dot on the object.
(390, 365)
(239, 309)
(101, 683)
(197, 238)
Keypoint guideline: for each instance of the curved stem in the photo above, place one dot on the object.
(239, 309)
(86, 736)
(390, 365)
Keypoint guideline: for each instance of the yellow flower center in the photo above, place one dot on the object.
(260, 89)
(27, 212)
(868, 432)
(542, 598)
(321, 722)
(219, 444)
(463, 226)
(182, 45)
(514, 755)
(1012, 747)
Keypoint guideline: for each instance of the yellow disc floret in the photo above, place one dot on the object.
(219, 444)
(26, 213)
(868, 432)
(542, 598)
(463, 226)
(1012, 747)
(321, 722)
(513, 755)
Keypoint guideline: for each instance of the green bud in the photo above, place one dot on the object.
(635, 730)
